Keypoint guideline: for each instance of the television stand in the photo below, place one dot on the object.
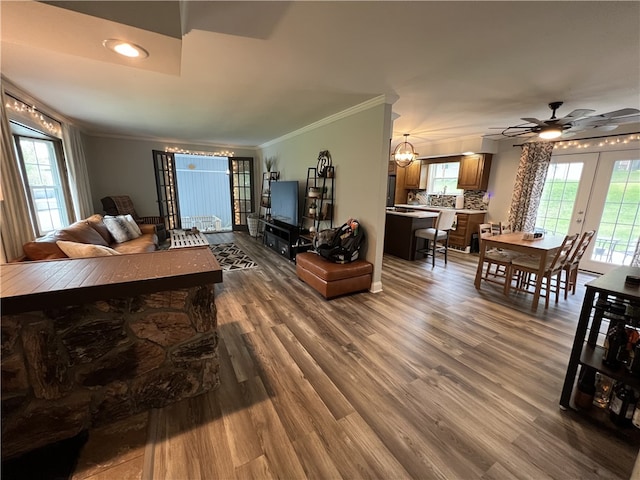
(285, 240)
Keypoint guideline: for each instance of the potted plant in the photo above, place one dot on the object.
(269, 163)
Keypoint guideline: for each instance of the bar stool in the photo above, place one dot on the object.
(440, 233)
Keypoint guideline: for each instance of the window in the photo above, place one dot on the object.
(40, 163)
(558, 197)
(443, 178)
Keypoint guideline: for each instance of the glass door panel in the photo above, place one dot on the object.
(565, 195)
(614, 211)
(167, 188)
(241, 179)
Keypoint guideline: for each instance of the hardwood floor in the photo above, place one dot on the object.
(428, 379)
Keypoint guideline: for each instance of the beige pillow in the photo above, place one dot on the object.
(84, 250)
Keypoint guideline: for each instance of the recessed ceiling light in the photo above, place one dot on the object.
(126, 49)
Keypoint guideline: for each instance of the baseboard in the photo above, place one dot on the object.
(376, 287)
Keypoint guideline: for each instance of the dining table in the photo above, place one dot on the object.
(544, 248)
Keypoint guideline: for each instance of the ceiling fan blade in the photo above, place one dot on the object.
(619, 113)
(623, 120)
(535, 120)
(578, 113)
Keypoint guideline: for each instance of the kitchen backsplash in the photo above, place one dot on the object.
(473, 200)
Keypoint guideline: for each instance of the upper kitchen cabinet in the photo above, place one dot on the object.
(412, 176)
(415, 176)
(474, 171)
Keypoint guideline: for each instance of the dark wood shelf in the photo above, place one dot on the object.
(592, 357)
(590, 354)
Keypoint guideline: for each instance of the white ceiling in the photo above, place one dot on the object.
(244, 73)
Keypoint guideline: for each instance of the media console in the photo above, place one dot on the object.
(285, 240)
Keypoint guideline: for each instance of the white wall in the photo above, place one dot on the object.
(124, 166)
(504, 167)
(359, 147)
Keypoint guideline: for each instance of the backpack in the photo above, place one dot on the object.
(340, 245)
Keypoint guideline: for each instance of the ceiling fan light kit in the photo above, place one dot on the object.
(576, 121)
(404, 153)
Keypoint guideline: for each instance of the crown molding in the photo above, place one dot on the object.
(379, 100)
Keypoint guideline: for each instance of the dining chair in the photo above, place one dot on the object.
(505, 227)
(497, 257)
(571, 266)
(440, 233)
(525, 268)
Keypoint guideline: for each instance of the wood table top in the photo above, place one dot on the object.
(28, 286)
(548, 242)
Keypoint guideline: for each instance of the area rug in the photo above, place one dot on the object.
(230, 257)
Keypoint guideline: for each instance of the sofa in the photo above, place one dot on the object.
(92, 238)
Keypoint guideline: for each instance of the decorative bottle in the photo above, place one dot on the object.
(615, 340)
(622, 405)
(586, 389)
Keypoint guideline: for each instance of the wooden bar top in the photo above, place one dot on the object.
(28, 286)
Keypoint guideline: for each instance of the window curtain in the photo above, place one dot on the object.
(78, 175)
(532, 172)
(15, 221)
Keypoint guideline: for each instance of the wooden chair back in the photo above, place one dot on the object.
(484, 230)
(581, 247)
(505, 227)
(445, 220)
(562, 255)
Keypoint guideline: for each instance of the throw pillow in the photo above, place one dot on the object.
(120, 229)
(132, 223)
(84, 250)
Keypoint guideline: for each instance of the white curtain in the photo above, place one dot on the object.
(79, 177)
(15, 222)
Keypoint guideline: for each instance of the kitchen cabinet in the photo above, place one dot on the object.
(412, 176)
(588, 349)
(474, 171)
(399, 232)
(466, 226)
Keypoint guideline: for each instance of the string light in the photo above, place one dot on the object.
(21, 108)
(602, 142)
(224, 153)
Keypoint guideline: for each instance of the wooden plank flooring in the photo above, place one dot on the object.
(428, 379)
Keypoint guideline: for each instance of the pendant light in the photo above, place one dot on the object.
(404, 154)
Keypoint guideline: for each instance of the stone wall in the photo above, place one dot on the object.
(88, 364)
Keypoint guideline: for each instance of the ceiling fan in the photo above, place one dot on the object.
(575, 121)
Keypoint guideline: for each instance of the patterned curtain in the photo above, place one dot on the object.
(532, 172)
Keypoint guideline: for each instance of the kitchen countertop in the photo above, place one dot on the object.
(435, 209)
(415, 214)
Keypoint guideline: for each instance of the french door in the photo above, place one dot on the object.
(240, 182)
(164, 164)
(595, 191)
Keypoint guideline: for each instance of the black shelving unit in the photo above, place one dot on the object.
(592, 327)
(319, 190)
(265, 194)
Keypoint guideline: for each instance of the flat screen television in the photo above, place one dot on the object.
(284, 203)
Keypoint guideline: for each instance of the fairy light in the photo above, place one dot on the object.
(224, 153)
(21, 108)
(602, 142)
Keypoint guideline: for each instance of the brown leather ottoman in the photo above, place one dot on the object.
(333, 279)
